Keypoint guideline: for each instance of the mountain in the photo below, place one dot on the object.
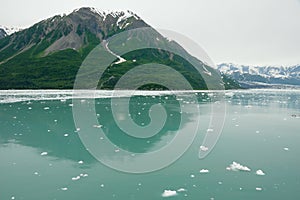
(48, 54)
(262, 76)
(5, 31)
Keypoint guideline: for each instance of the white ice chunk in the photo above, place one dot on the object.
(238, 167)
(203, 148)
(181, 190)
(75, 178)
(169, 193)
(260, 172)
(258, 189)
(203, 171)
(44, 153)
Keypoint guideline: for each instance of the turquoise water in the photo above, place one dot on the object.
(42, 156)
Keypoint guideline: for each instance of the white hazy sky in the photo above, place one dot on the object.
(263, 32)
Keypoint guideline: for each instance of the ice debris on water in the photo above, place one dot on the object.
(169, 193)
(204, 171)
(258, 189)
(203, 148)
(75, 178)
(238, 167)
(260, 172)
(64, 189)
(181, 190)
(44, 153)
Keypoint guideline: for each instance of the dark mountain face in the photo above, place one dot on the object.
(49, 54)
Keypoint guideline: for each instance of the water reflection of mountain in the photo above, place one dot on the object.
(48, 126)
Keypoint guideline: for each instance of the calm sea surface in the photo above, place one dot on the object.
(42, 156)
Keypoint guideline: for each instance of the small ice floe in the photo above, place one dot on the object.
(258, 189)
(44, 153)
(286, 149)
(64, 189)
(80, 162)
(46, 108)
(260, 172)
(210, 130)
(13, 197)
(102, 185)
(29, 108)
(238, 167)
(181, 190)
(66, 135)
(36, 173)
(192, 176)
(76, 178)
(71, 105)
(257, 131)
(203, 148)
(97, 126)
(169, 193)
(84, 175)
(204, 171)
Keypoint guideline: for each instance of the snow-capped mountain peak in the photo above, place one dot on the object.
(264, 74)
(10, 30)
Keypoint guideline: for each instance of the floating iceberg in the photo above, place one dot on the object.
(238, 167)
(204, 171)
(203, 148)
(44, 153)
(169, 193)
(181, 190)
(76, 178)
(260, 173)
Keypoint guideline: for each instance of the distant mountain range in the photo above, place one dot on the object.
(48, 54)
(262, 76)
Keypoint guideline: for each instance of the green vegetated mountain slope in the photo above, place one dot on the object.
(49, 54)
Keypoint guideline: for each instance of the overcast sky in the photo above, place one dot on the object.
(262, 32)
